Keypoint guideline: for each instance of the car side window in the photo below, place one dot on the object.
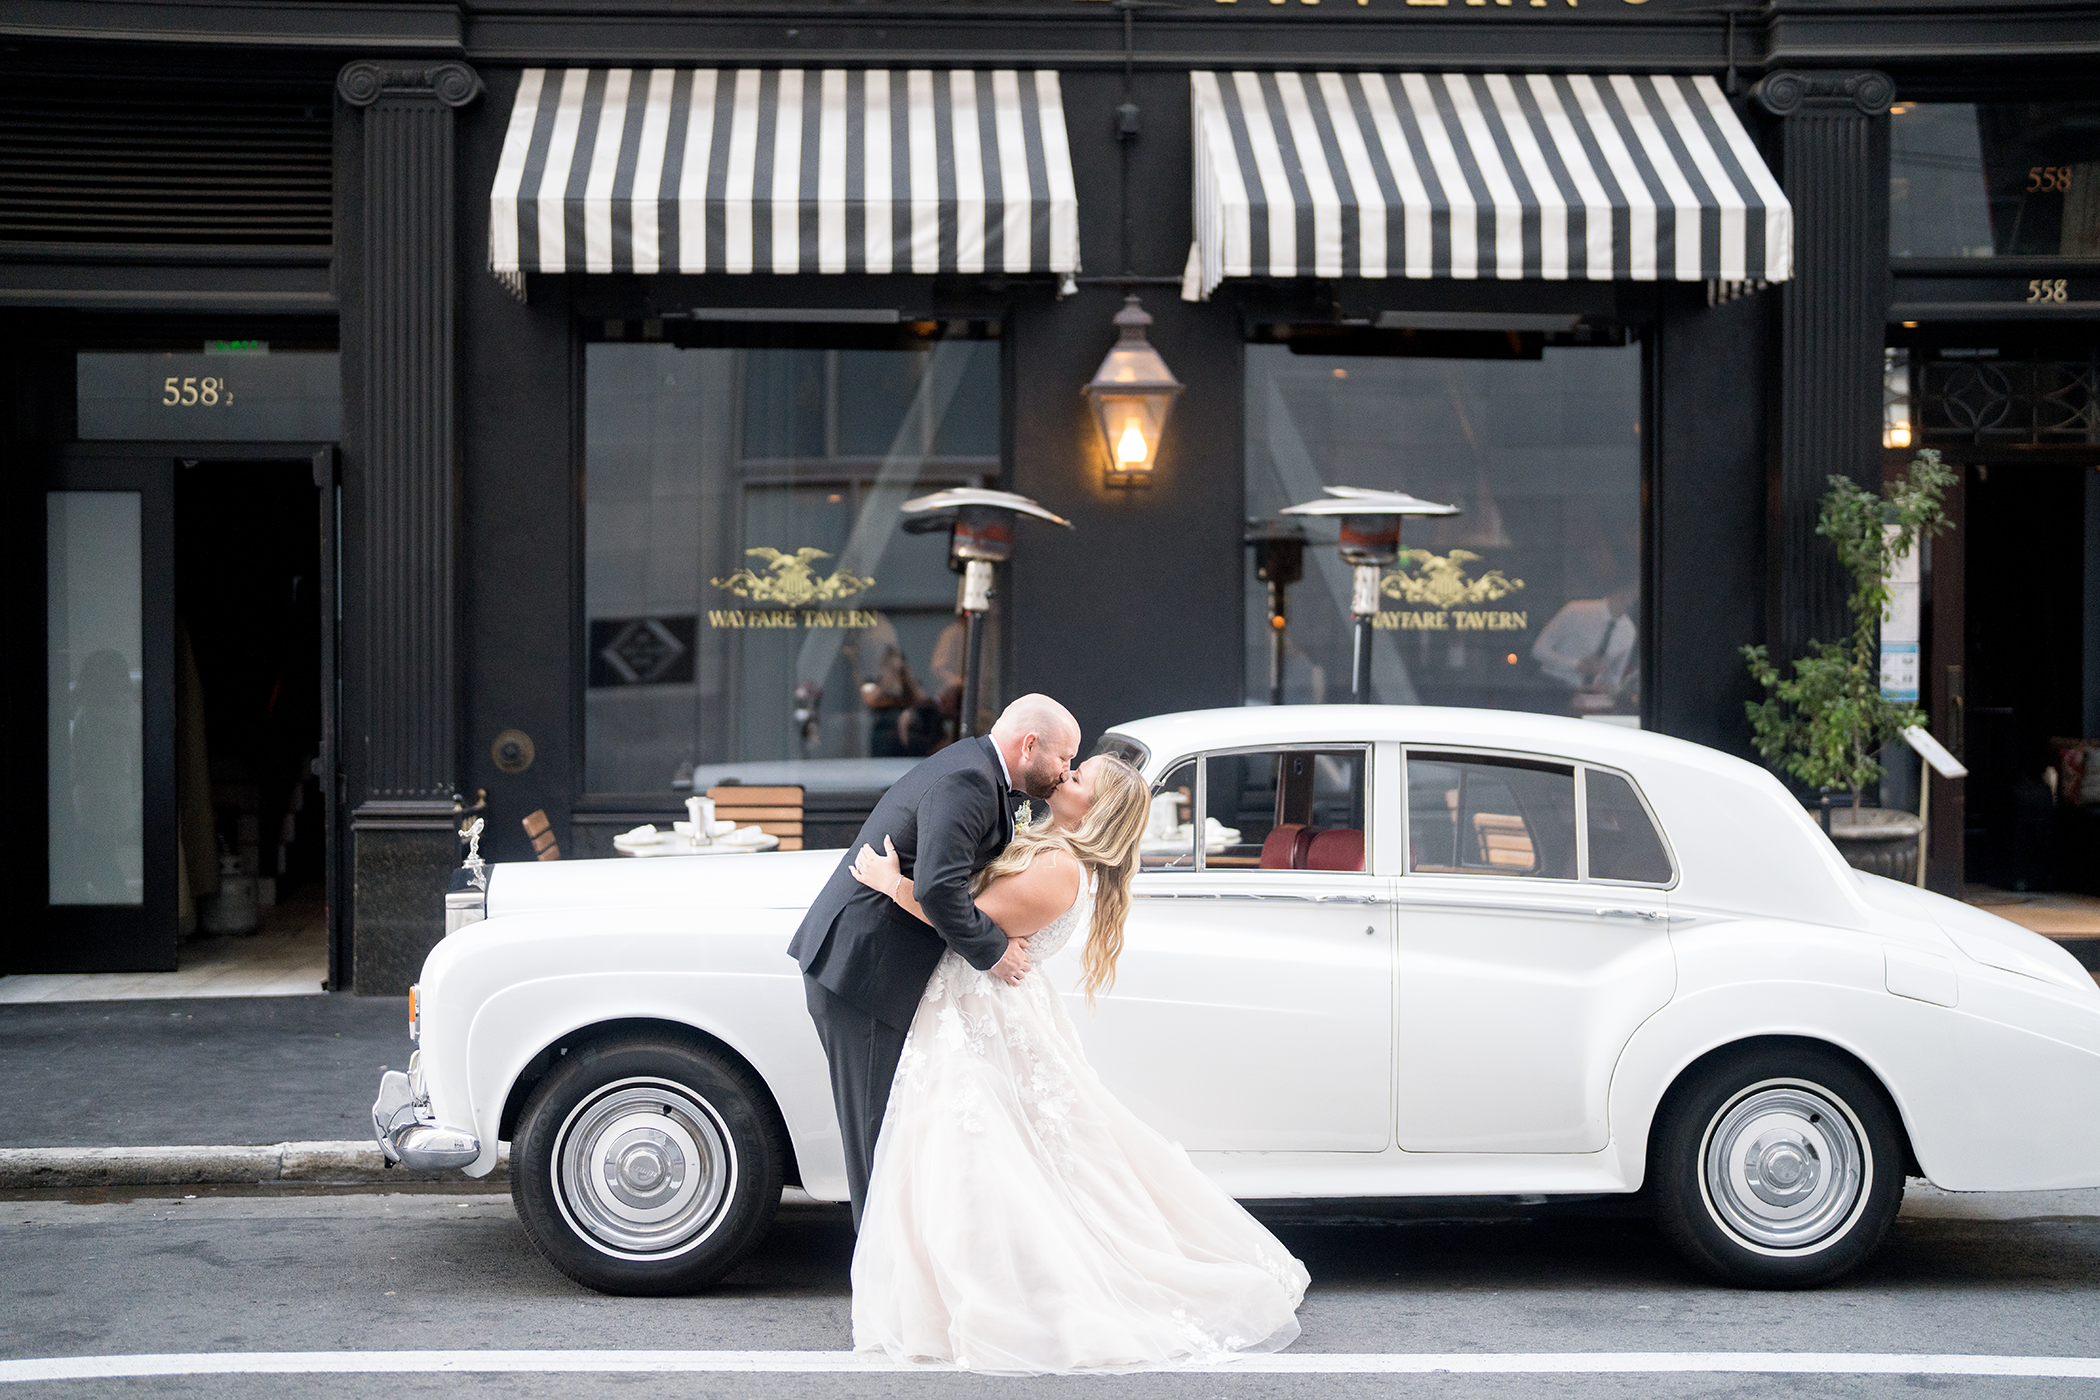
(1469, 814)
(1285, 809)
(1624, 844)
(1169, 842)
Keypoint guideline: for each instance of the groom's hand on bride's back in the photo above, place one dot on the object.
(1014, 966)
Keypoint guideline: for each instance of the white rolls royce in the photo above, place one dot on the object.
(1375, 952)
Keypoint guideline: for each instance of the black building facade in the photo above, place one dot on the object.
(418, 411)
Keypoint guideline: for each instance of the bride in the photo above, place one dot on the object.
(1019, 1218)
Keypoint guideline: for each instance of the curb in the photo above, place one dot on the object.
(311, 1163)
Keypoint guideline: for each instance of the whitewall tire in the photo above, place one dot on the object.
(646, 1166)
(1776, 1166)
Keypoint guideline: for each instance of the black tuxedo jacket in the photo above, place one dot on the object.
(948, 818)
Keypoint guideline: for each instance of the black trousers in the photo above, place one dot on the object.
(863, 1053)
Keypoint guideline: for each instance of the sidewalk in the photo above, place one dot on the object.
(230, 1071)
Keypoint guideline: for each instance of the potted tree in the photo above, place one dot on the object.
(1825, 724)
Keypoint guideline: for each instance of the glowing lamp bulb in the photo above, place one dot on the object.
(1131, 446)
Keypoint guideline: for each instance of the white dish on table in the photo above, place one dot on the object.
(728, 840)
(1216, 837)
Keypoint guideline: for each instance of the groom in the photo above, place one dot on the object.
(865, 961)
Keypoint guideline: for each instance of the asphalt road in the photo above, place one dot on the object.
(242, 1272)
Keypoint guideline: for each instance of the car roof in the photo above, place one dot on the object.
(1173, 736)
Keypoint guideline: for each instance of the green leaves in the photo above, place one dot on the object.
(1824, 724)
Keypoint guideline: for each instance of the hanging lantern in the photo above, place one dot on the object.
(1131, 395)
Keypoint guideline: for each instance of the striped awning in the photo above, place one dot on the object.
(788, 170)
(1466, 175)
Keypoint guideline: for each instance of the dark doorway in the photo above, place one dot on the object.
(2026, 561)
(185, 605)
(249, 694)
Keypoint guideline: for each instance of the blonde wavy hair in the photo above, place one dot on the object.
(1106, 841)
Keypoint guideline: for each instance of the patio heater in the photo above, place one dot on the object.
(980, 534)
(1279, 562)
(1370, 544)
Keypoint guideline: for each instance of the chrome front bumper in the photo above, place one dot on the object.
(409, 1134)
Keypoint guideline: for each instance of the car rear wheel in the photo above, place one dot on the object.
(1777, 1167)
(646, 1167)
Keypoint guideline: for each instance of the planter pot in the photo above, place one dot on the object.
(1878, 841)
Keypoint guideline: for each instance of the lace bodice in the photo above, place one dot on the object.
(1058, 932)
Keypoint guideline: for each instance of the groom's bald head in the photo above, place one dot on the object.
(1037, 714)
(1038, 738)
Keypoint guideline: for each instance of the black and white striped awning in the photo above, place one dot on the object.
(1480, 175)
(789, 170)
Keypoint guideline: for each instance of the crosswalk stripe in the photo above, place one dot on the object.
(59, 1368)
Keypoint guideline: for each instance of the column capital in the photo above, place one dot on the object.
(1865, 91)
(365, 81)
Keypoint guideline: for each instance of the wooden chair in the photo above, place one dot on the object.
(541, 832)
(777, 811)
(1505, 842)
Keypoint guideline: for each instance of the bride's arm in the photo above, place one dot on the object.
(1020, 903)
(884, 874)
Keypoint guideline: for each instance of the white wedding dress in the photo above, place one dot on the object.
(1020, 1219)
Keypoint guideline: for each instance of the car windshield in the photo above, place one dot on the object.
(1122, 746)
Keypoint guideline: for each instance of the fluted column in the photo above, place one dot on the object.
(401, 464)
(1834, 165)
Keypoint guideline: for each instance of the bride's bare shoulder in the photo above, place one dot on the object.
(1028, 899)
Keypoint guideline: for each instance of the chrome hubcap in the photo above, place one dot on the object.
(1784, 1166)
(643, 1168)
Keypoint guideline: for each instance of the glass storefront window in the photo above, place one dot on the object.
(1529, 600)
(1996, 179)
(749, 593)
(95, 744)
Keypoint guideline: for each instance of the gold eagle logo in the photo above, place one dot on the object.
(791, 579)
(1440, 580)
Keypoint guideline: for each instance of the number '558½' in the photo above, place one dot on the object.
(192, 392)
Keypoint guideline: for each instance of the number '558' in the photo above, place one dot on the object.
(189, 392)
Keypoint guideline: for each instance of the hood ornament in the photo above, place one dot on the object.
(477, 869)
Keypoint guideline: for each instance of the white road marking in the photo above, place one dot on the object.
(272, 1363)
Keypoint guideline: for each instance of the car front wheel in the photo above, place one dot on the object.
(646, 1167)
(1777, 1167)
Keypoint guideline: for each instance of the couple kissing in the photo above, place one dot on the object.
(1012, 1215)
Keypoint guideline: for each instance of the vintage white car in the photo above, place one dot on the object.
(1416, 953)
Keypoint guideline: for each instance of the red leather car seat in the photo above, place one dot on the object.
(1279, 850)
(1338, 848)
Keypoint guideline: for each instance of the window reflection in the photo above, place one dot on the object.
(96, 728)
(1977, 180)
(1490, 816)
(749, 593)
(1528, 600)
